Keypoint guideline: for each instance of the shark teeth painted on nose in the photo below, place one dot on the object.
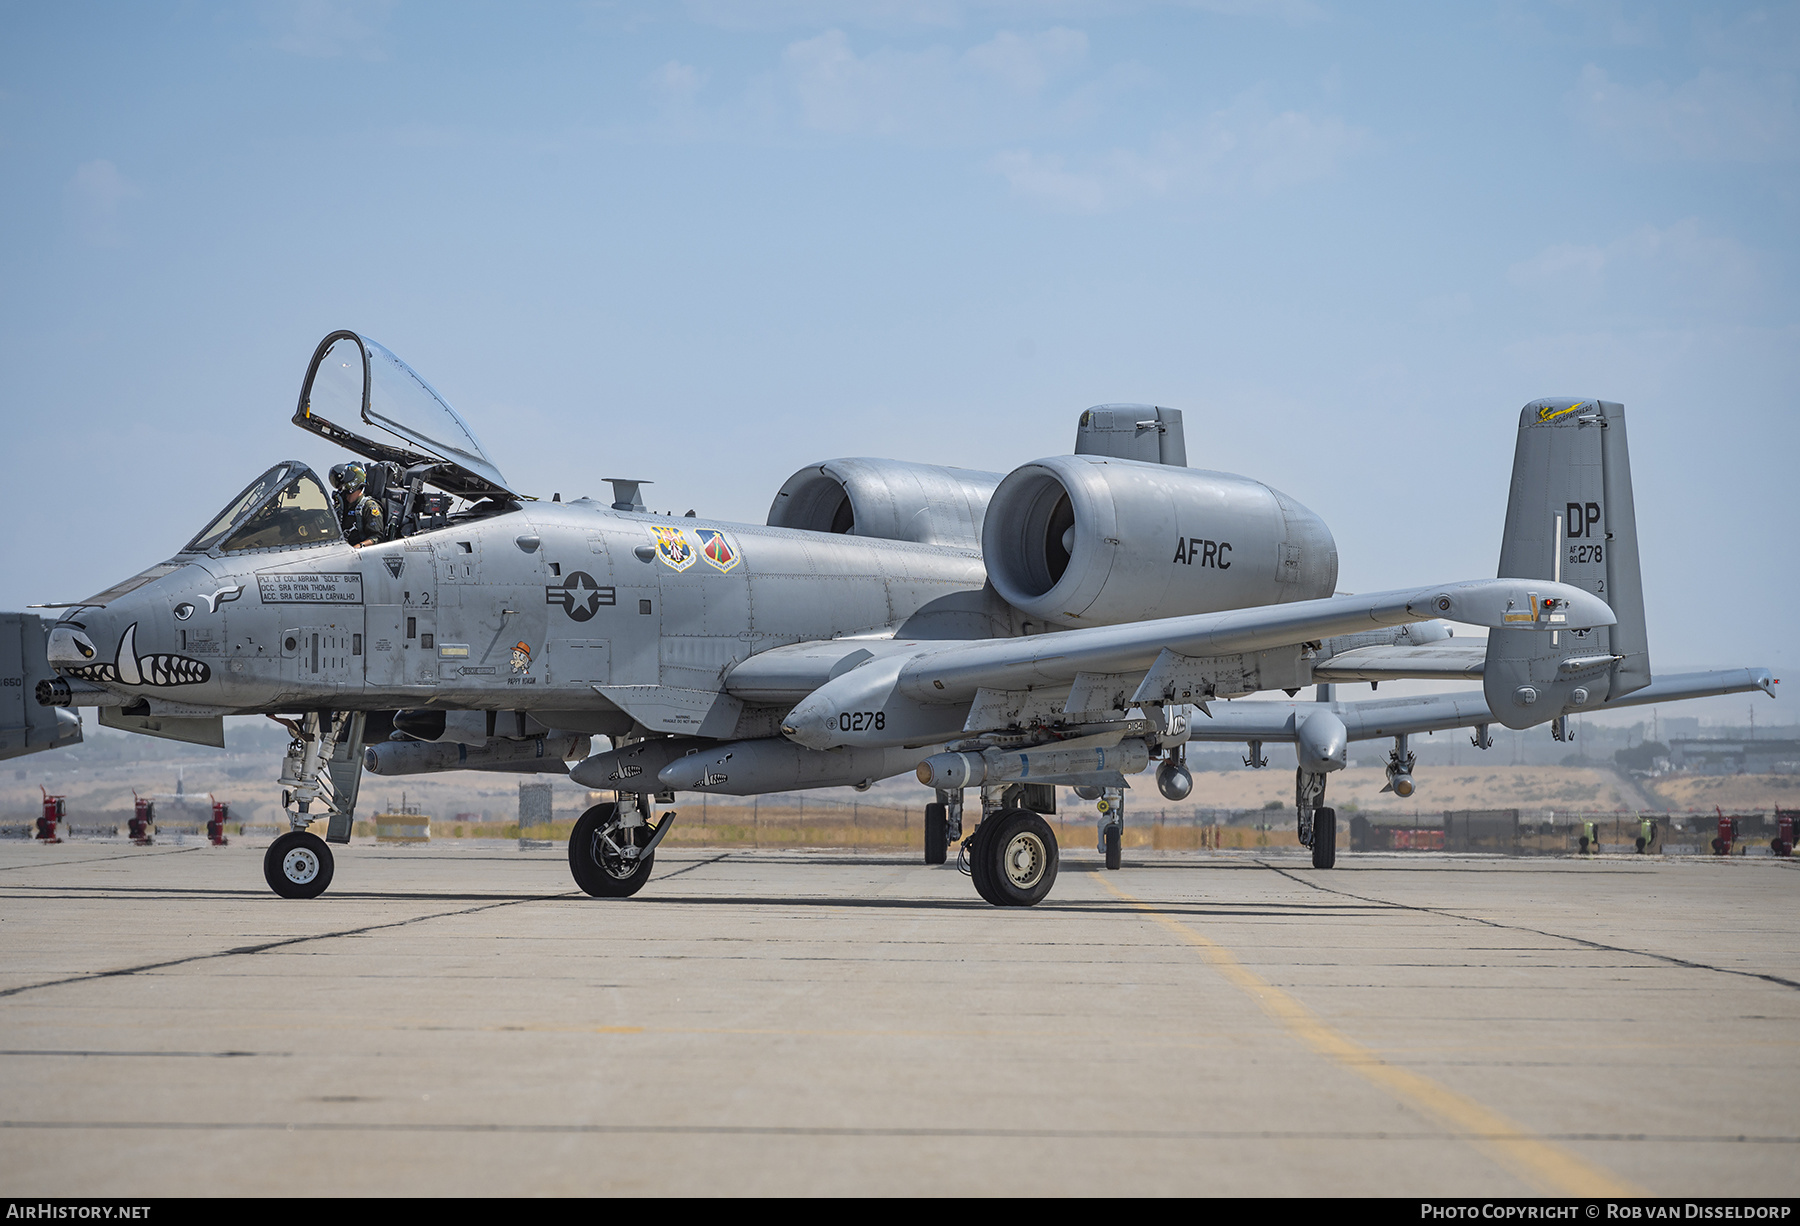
(159, 668)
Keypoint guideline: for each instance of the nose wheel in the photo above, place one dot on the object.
(298, 865)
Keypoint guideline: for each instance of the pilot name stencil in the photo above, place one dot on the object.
(310, 587)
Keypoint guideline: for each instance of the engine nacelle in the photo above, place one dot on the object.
(889, 499)
(1087, 540)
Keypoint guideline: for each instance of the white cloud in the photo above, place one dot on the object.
(326, 29)
(1244, 149)
(94, 199)
(957, 14)
(1027, 62)
(1673, 271)
(677, 84)
(1722, 116)
(936, 92)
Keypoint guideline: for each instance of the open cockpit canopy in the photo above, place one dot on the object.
(356, 389)
(285, 507)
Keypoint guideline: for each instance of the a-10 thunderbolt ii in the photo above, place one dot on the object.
(1063, 625)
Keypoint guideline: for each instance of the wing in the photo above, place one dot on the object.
(909, 692)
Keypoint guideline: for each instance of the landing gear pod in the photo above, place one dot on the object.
(612, 849)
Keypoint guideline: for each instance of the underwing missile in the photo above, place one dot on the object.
(774, 764)
(1047, 765)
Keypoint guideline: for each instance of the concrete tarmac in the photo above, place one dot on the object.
(457, 1020)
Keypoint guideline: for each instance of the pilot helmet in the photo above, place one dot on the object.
(349, 477)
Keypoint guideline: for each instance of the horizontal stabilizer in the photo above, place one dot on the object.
(1369, 718)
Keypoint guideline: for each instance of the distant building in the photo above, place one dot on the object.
(1716, 756)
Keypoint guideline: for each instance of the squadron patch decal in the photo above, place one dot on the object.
(673, 548)
(717, 550)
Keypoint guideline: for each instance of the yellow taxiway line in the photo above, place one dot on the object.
(1546, 1166)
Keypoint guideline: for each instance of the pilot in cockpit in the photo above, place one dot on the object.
(360, 516)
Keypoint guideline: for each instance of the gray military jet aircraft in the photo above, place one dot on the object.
(1065, 624)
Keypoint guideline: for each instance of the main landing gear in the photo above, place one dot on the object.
(1012, 855)
(943, 825)
(1012, 858)
(612, 849)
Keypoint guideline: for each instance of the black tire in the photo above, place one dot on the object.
(1718, 846)
(978, 865)
(298, 865)
(588, 858)
(1324, 845)
(1641, 844)
(1114, 846)
(1021, 858)
(937, 825)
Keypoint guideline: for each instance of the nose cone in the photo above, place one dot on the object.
(813, 724)
(1322, 742)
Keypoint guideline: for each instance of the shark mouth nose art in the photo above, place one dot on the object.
(129, 668)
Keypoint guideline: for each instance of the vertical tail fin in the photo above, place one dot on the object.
(1570, 517)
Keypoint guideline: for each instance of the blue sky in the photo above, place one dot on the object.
(708, 243)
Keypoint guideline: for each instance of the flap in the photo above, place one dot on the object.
(1453, 660)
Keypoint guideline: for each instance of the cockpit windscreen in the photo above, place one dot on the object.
(285, 506)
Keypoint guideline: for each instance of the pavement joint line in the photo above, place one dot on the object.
(130, 855)
(265, 946)
(826, 1130)
(1555, 936)
(300, 940)
(1544, 1165)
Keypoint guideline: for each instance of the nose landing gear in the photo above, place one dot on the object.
(324, 763)
(298, 865)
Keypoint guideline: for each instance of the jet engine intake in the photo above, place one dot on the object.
(1089, 540)
(889, 499)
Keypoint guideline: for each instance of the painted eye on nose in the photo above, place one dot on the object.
(183, 611)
